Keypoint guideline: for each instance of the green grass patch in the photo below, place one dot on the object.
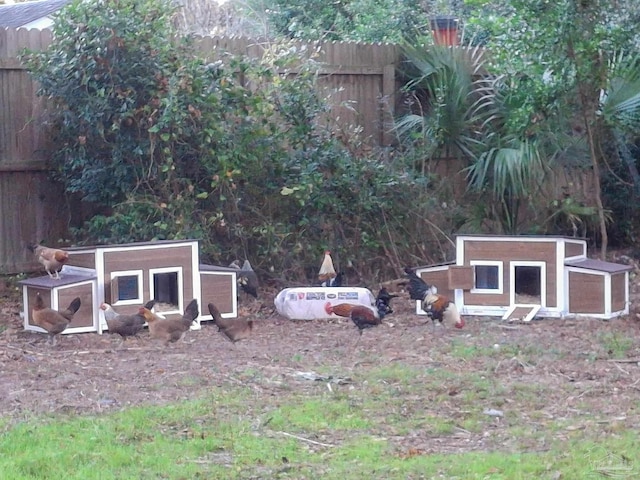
(616, 344)
(192, 441)
(385, 424)
(320, 414)
(461, 349)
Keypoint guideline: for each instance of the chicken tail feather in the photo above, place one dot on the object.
(149, 305)
(74, 306)
(215, 313)
(191, 312)
(418, 288)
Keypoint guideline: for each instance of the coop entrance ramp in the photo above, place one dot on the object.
(521, 312)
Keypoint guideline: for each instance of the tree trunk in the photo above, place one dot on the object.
(596, 178)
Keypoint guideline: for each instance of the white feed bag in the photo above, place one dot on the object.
(309, 303)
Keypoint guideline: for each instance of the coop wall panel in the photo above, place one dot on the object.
(84, 315)
(489, 299)
(45, 293)
(217, 289)
(460, 277)
(618, 292)
(586, 293)
(507, 251)
(439, 278)
(82, 259)
(147, 259)
(574, 249)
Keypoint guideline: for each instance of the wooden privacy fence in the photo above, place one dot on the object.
(32, 208)
(359, 80)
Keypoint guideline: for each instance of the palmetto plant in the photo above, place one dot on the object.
(620, 106)
(513, 127)
(442, 86)
(466, 113)
(569, 214)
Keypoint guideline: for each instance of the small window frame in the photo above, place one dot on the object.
(114, 290)
(488, 263)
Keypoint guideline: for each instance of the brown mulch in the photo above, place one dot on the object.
(568, 364)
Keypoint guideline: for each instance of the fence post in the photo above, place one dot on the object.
(388, 104)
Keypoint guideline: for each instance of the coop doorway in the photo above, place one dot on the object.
(166, 289)
(527, 288)
(527, 283)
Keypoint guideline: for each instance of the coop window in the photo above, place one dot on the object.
(487, 277)
(126, 287)
(166, 289)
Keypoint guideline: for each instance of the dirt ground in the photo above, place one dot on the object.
(577, 370)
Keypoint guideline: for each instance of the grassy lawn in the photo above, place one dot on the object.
(333, 430)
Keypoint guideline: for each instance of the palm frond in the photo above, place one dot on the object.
(620, 101)
(508, 169)
(451, 81)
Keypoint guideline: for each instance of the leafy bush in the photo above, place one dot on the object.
(169, 146)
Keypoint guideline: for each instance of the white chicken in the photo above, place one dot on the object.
(327, 273)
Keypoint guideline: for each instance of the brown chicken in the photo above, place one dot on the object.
(167, 329)
(361, 315)
(52, 259)
(233, 330)
(53, 321)
(438, 307)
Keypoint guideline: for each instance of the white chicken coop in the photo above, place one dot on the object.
(127, 276)
(527, 275)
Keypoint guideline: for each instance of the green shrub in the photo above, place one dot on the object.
(237, 153)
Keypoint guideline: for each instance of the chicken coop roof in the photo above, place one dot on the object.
(48, 282)
(216, 268)
(19, 14)
(520, 237)
(83, 248)
(432, 265)
(598, 265)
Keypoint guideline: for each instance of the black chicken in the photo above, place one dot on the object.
(124, 325)
(438, 307)
(247, 278)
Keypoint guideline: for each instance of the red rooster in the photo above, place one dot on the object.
(361, 315)
(438, 307)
